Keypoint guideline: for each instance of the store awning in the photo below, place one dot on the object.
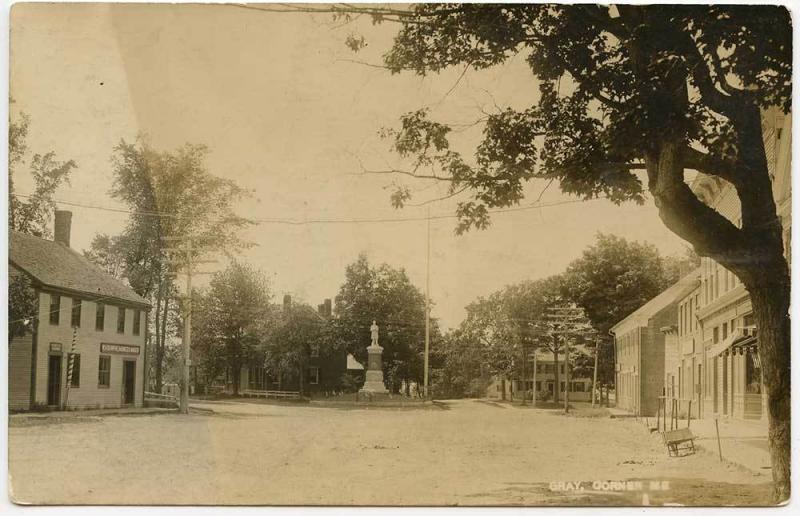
(745, 344)
(735, 342)
(720, 347)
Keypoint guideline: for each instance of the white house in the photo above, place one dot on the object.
(76, 302)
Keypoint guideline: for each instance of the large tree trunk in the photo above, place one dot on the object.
(770, 300)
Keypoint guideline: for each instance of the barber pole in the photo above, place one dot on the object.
(71, 363)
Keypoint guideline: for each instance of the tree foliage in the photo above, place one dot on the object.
(386, 295)
(624, 90)
(33, 215)
(231, 320)
(288, 347)
(169, 194)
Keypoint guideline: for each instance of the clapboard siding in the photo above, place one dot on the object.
(88, 394)
(19, 373)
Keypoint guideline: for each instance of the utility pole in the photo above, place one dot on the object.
(187, 264)
(425, 388)
(594, 379)
(567, 321)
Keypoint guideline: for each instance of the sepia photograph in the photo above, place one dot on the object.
(398, 255)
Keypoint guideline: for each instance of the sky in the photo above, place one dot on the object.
(289, 115)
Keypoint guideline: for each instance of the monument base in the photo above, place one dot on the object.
(374, 383)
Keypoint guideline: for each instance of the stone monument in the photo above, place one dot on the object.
(374, 376)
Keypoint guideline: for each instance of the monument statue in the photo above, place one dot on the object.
(374, 330)
(374, 375)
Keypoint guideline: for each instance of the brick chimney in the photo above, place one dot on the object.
(63, 226)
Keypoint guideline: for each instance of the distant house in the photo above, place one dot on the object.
(640, 344)
(75, 301)
(323, 371)
(580, 389)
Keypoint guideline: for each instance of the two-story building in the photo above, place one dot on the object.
(323, 369)
(640, 349)
(83, 318)
(544, 380)
(719, 368)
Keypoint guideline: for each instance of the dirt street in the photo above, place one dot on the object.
(463, 453)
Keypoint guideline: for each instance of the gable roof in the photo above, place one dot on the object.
(56, 266)
(674, 293)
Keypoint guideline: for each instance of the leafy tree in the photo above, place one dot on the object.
(612, 279)
(32, 216)
(22, 304)
(487, 327)
(462, 371)
(231, 320)
(516, 321)
(170, 194)
(655, 88)
(386, 295)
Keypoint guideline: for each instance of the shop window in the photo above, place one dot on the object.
(76, 313)
(55, 308)
(752, 371)
(104, 371)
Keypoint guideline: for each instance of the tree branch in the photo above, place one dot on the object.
(709, 164)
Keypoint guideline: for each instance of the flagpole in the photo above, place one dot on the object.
(425, 388)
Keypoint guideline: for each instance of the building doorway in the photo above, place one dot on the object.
(128, 382)
(54, 380)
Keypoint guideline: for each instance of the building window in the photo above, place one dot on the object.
(76, 313)
(104, 371)
(562, 387)
(100, 317)
(716, 334)
(55, 308)
(313, 375)
(314, 350)
(137, 316)
(724, 330)
(120, 319)
(749, 320)
(76, 369)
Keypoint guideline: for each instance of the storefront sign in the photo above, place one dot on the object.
(120, 349)
(55, 346)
